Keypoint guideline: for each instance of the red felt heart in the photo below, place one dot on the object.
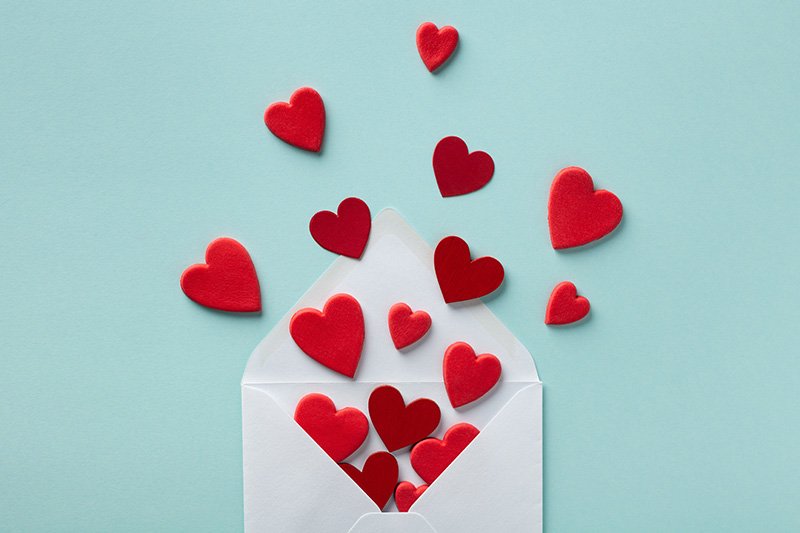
(378, 477)
(467, 377)
(430, 457)
(301, 122)
(462, 279)
(435, 45)
(339, 433)
(406, 494)
(578, 214)
(400, 425)
(457, 171)
(407, 327)
(226, 281)
(333, 337)
(345, 233)
(565, 306)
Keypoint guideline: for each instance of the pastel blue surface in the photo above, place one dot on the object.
(133, 136)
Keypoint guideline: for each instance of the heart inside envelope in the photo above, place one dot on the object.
(340, 433)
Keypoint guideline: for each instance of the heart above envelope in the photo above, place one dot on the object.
(332, 337)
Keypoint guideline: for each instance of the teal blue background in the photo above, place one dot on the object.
(132, 135)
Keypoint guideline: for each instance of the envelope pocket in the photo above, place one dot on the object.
(290, 483)
(496, 482)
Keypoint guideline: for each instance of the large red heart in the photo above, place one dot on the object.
(435, 45)
(407, 327)
(430, 457)
(339, 433)
(462, 279)
(565, 306)
(467, 377)
(333, 337)
(457, 171)
(226, 281)
(378, 477)
(400, 425)
(406, 494)
(578, 214)
(301, 122)
(346, 232)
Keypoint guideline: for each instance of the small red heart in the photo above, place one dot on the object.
(467, 377)
(346, 232)
(378, 477)
(457, 171)
(407, 327)
(565, 306)
(462, 279)
(578, 214)
(406, 494)
(339, 433)
(400, 425)
(301, 122)
(430, 457)
(333, 337)
(435, 45)
(226, 281)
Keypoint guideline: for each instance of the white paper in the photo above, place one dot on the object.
(397, 266)
(392, 523)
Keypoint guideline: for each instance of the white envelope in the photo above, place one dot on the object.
(291, 484)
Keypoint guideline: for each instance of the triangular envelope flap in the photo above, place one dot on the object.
(392, 523)
(496, 482)
(397, 266)
(290, 484)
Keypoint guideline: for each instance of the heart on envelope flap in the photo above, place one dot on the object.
(406, 326)
(333, 337)
(467, 377)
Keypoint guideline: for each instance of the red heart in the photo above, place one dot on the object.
(333, 337)
(339, 433)
(457, 171)
(345, 233)
(378, 477)
(226, 281)
(400, 425)
(407, 327)
(565, 306)
(467, 377)
(435, 45)
(431, 456)
(462, 279)
(406, 494)
(301, 122)
(577, 213)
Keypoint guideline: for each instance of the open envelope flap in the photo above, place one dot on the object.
(495, 484)
(397, 266)
(290, 484)
(392, 523)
